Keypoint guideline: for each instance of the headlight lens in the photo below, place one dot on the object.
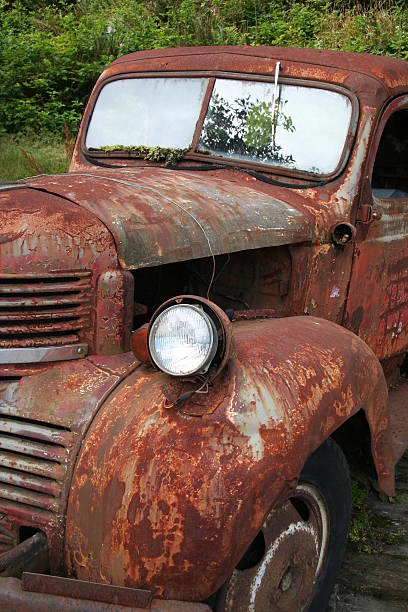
(183, 340)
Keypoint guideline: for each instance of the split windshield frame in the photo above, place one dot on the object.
(193, 155)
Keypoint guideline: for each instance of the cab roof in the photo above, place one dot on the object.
(369, 76)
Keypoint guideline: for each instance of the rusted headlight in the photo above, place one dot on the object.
(187, 335)
(183, 340)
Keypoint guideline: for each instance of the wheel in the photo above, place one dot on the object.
(293, 562)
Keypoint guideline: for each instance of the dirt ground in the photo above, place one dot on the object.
(378, 582)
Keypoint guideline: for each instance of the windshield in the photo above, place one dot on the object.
(301, 128)
(158, 112)
(305, 128)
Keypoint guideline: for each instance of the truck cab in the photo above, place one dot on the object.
(189, 317)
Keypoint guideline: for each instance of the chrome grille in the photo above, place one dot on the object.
(43, 310)
(32, 465)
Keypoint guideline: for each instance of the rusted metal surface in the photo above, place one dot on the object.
(277, 400)
(388, 72)
(285, 577)
(43, 418)
(33, 551)
(13, 597)
(51, 252)
(168, 494)
(377, 308)
(158, 216)
(139, 343)
(79, 589)
(257, 313)
(42, 234)
(114, 314)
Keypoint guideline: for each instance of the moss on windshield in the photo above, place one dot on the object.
(168, 156)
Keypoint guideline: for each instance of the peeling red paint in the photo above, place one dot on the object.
(174, 527)
(132, 485)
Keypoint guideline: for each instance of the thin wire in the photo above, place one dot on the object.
(223, 268)
(204, 388)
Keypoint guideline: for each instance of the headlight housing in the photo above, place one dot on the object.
(183, 340)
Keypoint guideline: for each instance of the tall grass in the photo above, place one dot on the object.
(22, 156)
(381, 28)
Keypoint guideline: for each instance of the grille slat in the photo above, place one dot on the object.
(43, 276)
(44, 315)
(26, 513)
(32, 464)
(32, 448)
(49, 340)
(33, 430)
(42, 287)
(40, 328)
(45, 310)
(41, 301)
(25, 496)
(28, 481)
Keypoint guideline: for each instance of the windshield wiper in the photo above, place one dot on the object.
(267, 179)
(210, 165)
(260, 176)
(96, 162)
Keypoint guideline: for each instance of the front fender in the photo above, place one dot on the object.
(169, 501)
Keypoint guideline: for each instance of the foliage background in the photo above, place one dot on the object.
(52, 52)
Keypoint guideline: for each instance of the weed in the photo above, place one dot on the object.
(369, 532)
(154, 154)
(40, 155)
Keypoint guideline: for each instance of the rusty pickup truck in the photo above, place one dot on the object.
(191, 321)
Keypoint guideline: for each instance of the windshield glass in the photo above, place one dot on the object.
(305, 128)
(157, 112)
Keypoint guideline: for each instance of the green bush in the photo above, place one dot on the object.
(52, 53)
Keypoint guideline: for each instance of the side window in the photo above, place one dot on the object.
(390, 174)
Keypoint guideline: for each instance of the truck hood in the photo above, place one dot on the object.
(159, 216)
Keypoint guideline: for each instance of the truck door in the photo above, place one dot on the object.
(377, 306)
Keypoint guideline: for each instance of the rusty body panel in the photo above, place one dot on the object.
(30, 221)
(388, 73)
(187, 217)
(131, 485)
(43, 419)
(139, 467)
(14, 597)
(94, 591)
(378, 310)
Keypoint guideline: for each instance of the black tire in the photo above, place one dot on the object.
(328, 471)
(300, 576)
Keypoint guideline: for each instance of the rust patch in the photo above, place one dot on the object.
(185, 479)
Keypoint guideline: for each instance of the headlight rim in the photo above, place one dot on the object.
(222, 325)
(203, 368)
